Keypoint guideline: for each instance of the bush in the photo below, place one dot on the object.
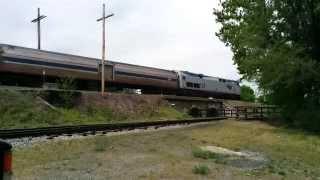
(217, 158)
(199, 153)
(308, 119)
(67, 96)
(247, 94)
(201, 169)
(67, 83)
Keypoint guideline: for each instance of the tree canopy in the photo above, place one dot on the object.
(247, 94)
(277, 44)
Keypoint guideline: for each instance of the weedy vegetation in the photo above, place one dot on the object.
(199, 153)
(28, 110)
(201, 169)
(202, 154)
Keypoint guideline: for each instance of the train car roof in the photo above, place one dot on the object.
(77, 56)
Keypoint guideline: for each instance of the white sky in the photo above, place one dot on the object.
(169, 34)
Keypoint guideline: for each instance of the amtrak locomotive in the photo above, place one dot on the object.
(31, 67)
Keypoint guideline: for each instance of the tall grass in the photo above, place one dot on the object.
(22, 110)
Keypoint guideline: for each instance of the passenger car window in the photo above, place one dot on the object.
(196, 85)
(190, 84)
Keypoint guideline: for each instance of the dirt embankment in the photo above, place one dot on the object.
(122, 103)
(43, 109)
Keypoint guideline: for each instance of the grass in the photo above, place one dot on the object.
(21, 110)
(169, 154)
(207, 155)
(290, 151)
(24, 110)
(199, 153)
(201, 169)
(101, 144)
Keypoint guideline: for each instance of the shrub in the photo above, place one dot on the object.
(67, 96)
(201, 169)
(247, 94)
(199, 153)
(218, 158)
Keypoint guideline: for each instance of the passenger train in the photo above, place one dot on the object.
(31, 67)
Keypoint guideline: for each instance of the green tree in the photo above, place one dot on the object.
(277, 44)
(66, 83)
(247, 94)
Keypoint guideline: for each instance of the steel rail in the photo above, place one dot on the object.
(60, 130)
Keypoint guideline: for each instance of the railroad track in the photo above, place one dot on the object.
(68, 130)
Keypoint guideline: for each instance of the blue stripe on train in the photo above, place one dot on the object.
(52, 64)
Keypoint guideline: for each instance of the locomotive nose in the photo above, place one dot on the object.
(5, 161)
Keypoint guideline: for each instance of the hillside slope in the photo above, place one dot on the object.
(27, 110)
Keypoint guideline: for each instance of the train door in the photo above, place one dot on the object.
(202, 82)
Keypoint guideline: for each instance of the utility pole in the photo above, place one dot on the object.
(38, 20)
(103, 19)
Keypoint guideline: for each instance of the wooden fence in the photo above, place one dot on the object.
(251, 112)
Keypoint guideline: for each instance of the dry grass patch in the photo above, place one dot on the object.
(173, 154)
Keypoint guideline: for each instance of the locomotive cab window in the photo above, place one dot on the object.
(196, 85)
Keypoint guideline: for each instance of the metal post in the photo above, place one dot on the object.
(246, 114)
(237, 112)
(43, 77)
(104, 17)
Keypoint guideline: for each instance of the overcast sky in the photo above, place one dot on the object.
(170, 34)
